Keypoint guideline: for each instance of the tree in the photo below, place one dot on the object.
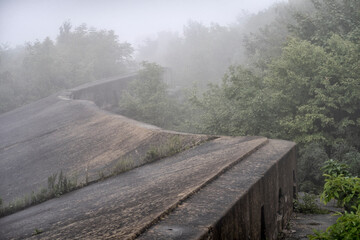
(341, 17)
(308, 92)
(317, 91)
(44, 67)
(238, 107)
(147, 100)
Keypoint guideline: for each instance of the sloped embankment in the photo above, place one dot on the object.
(74, 136)
(225, 188)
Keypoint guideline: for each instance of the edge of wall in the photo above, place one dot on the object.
(252, 200)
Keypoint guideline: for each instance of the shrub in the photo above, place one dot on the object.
(347, 226)
(312, 158)
(346, 190)
(307, 204)
(334, 168)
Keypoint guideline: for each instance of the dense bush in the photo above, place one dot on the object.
(308, 92)
(347, 226)
(344, 188)
(147, 99)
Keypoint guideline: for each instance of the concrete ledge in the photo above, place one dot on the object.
(103, 93)
(227, 188)
(250, 201)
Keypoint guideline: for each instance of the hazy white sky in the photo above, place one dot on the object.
(132, 20)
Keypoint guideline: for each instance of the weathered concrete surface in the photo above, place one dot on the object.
(104, 93)
(231, 206)
(121, 207)
(227, 188)
(302, 225)
(74, 136)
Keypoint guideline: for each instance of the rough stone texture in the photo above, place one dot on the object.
(227, 188)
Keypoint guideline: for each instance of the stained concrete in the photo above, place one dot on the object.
(230, 206)
(225, 188)
(125, 205)
(76, 137)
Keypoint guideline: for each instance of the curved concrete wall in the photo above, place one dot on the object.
(226, 188)
(265, 205)
(103, 93)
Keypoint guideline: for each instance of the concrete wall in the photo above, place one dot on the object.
(265, 208)
(252, 200)
(103, 93)
(267, 180)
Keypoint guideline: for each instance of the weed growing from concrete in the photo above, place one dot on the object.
(58, 184)
(123, 165)
(171, 147)
(37, 231)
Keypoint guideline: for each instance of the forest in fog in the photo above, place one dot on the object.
(289, 72)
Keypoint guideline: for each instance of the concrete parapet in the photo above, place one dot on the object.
(225, 188)
(253, 200)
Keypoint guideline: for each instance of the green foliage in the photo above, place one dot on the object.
(123, 165)
(62, 186)
(306, 90)
(340, 185)
(310, 176)
(347, 226)
(312, 87)
(77, 56)
(307, 204)
(37, 231)
(330, 16)
(334, 168)
(58, 184)
(238, 107)
(147, 100)
(171, 147)
(348, 155)
(346, 190)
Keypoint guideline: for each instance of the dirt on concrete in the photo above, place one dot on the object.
(73, 136)
(120, 207)
(302, 225)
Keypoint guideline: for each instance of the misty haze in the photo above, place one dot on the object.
(162, 119)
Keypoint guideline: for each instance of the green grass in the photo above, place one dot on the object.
(173, 146)
(123, 165)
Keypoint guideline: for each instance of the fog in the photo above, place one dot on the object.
(280, 69)
(132, 21)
